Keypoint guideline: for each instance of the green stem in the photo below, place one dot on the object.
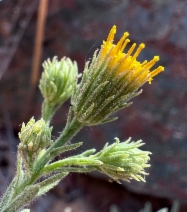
(47, 111)
(69, 132)
(71, 162)
(77, 169)
(7, 197)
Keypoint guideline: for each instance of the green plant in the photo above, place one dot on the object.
(109, 81)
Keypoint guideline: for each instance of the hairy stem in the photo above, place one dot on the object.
(72, 161)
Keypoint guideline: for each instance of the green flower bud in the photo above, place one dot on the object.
(34, 137)
(58, 80)
(123, 161)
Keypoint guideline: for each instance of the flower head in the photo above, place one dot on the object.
(111, 80)
(57, 80)
(34, 136)
(123, 161)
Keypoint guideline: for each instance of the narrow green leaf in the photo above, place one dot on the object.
(62, 149)
(50, 182)
(8, 195)
(23, 199)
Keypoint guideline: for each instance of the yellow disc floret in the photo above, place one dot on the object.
(126, 63)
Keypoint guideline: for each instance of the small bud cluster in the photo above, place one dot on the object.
(34, 137)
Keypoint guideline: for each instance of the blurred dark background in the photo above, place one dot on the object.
(76, 28)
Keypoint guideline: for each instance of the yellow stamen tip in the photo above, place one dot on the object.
(152, 62)
(161, 68)
(113, 29)
(156, 58)
(142, 46)
(126, 34)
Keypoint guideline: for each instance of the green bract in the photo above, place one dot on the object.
(57, 80)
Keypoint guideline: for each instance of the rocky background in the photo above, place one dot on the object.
(76, 28)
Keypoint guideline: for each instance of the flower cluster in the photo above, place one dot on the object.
(111, 80)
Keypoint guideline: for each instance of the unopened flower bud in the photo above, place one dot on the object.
(34, 136)
(57, 80)
(123, 161)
